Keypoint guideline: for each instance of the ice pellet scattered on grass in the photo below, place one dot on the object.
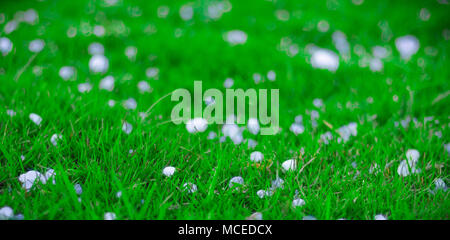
(6, 212)
(407, 46)
(107, 83)
(256, 156)
(130, 104)
(127, 127)
(109, 216)
(143, 87)
(325, 59)
(55, 138)
(5, 46)
(236, 37)
(380, 217)
(84, 87)
(255, 216)
(78, 189)
(289, 165)
(36, 45)
(66, 72)
(10, 112)
(228, 83)
(169, 171)
(190, 187)
(35, 118)
(196, 125)
(98, 64)
(96, 48)
(236, 181)
(297, 128)
(298, 202)
(253, 126)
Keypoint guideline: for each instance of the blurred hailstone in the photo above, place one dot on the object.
(111, 103)
(10, 26)
(36, 45)
(169, 171)
(55, 138)
(253, 126)
(10, 112)
(78, 189)
(347, 131)
(236, 37)
(107, 83)
(298, 202)
(277, 183)
(289, 165)
(98, 64)
(326, 137)
(190, 187)
(30, 16)
(309, 217)
(232, 131)
(109, 216)
(256, 156)
(99, 30)
(127, 127)
(35, 118)
(261, 193)
(341, 44)
(380, 52)
(407, 46)
(209, 100)
(5, 45)
(325, 59)
(376, 65)
(297, 128)
(119, 194)
(238, 180)
(251, 143)
(143, 86)
(131, 52)
(440, 185)
(257, 78)
(255, 216)
(130, 104)
(152, 72)
(228, 83)
(96, 48)
(271, 75)
(66, 72)
(318, 103)
(412, 154)
(196, 125)
(84, 87)
(186, 12)
(6, 212)
(29, 178)
(380, 217)
(212, 135)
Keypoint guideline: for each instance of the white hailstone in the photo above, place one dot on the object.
(22, 157)
(256, 156)
(190, 187)
(326, 137)
(119, 194)
(30, 16)
(253, 126)
(314, 114)
(111, 103)
(5, 45)
(325, 59)
(289, 165)
(143, 86)
(233, 132)
(98, 64)
(130, 104)
(66, 72)
(380, 52)
(318, 102)
(50, 174)
(196, 125)
(297, 128)
(255, 216)
(251, 143)
(10, 26)
(107, 83)
(35, 118)
(36, 45)
(55, 138)
(447, 147)
(298, 202)
(341, 44)
(405, 166)
(440, 184)
(271, 75)
(186, 12)
(169, 171)
(309, 217)
(109, 216)
(380, 217)
(236, 37)
(347, 131)
(209, 100)
(96, 48)
(257, 77)
(407, 46)
(261, 193)
(212, 135)
(10, 112)
(131, 151)
(412, 155)
(131, 52)
(299, 119)
(277, 183)
(78, 189)
(99, 30)
(127, 127)
(152, 72)
(238, 180)
(28, 179)
(6, 212)
(84, 87)
(376, 65)
(228, 83)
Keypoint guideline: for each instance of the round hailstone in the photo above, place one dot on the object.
(325, 59)
(412, 155)
(196, 125)
(5, 45)
(6, 212)
(212, 135)
(10, 26)
(186, 12)
(119, 194)
(99, 30)
(131, 52)
(298, 202)
(440, 184)
(190, 187)
(111, 103)
(35, 118)
(107, 83)
(380, 52)
(261, 193)
(98, 64)
(30, 16)
(256, 156)
(271, 75)
(297, 128)
(127, 128)
(236, 37)
(228, 83)
(236, 181)
(84, 87)
(257, 77)
(318, 102)
(169, 171)
(78, 189)
(253, 126)
(130, 104)
(36, 45)
(152, 72)
(277, 183)
(376, 65)
(11, 113)
(27, 179)
(380, 217)
(289, 165)
(66, 72)
(55, 138)
(407, 46)
(109, 216)
(143, 86)
(96, 48)
(251, 143)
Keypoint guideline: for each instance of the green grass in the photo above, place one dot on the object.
(94, 151)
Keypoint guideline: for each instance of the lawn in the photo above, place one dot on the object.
(85, 109)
